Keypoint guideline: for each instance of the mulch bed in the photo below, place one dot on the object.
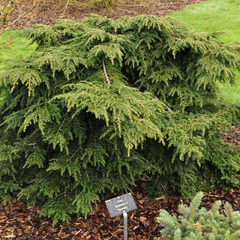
(18, 221)
(232, 136)
(46, 12)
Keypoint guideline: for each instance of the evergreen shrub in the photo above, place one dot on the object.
(197, 224)
(101, 104)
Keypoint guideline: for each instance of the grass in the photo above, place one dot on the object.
(208, 16)
(13, 45)
(17, 47)
(211, 16)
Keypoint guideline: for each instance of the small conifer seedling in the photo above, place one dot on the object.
(197, 224)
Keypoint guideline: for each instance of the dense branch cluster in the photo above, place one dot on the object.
(102, 103)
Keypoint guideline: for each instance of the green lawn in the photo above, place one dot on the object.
(16, 49)
(13, 45)
(213, 15)
(216, 15)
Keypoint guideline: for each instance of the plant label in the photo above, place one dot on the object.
(118, 205)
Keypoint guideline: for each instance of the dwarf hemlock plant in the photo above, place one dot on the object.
(197, 224)
(103, 103)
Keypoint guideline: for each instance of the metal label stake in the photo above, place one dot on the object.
(121, 205)
(125, 226)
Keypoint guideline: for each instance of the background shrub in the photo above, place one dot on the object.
(103, 103)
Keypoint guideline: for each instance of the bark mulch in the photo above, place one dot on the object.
(18, 221)
(233, 136)
(47, 11)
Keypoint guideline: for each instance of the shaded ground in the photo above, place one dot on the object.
(17, 221)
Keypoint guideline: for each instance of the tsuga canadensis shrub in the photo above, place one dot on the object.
(103, 103)
(197, 224)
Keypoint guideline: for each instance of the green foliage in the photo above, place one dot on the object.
(197, 224)
(103, 103)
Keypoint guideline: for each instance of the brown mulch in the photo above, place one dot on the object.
(232, 136)
(17, 221)
(46, 12)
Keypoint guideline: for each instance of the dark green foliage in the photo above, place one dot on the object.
(197, 224)
(102, 103)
